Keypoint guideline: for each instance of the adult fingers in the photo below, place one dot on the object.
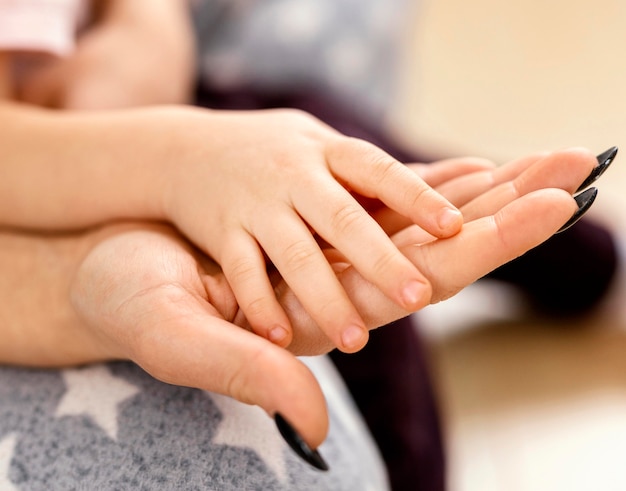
(371, 172)
(454, 263)
(363, 242)
(441, 171)
(488, 242)
(144, 295)
(565, 169)
(435, 175)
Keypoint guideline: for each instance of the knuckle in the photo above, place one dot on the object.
(299, 255)
(384, 262)
(415, 196)
(384, 166)
(241, 270)
(347, 217)
(255, 309)
(242, 383)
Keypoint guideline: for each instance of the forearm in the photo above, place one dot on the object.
(69, 170)
(38, 326)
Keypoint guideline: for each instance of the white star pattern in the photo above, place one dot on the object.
(95, 392)
(259, 432)
(7, 447)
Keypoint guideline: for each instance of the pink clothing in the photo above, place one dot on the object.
(47, 26)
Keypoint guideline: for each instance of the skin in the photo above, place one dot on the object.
(227, 180)
(82, 288)
(142, 292)
(116, 60)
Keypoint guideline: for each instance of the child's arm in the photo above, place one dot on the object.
(229, 181)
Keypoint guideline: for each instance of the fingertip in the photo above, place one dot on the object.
(271, 324)
(280, 336)
(415, 294)
(353, 338)
(297, 443)
(450, 221)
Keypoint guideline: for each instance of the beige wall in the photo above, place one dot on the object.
(503, 78)
(526, 407)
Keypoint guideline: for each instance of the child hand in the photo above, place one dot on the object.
(146, 295)
(244, 187)
(496, 204)
(270, 182)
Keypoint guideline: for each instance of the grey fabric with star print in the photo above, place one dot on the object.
(347, 48)
(113, 427)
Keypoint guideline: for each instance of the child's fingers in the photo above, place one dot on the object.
(343, 223)
(146, 297)
(508, 183)
(452, 264)
(45, 86)
(435, 175)
(459, 180)
(244, 266)
(371, 172)
(297, 256)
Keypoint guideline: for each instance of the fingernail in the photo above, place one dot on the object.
(352, 336)
(277, 334)
(604, 160)
(295, 441)
(449, 217)
(412, 294)
(584, 201)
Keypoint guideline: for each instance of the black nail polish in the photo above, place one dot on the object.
(584, 201)
(299, 446)
(604, 160)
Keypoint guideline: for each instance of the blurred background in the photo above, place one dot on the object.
(527, 406)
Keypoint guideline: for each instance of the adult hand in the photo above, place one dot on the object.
(267, 184)
(147, 295)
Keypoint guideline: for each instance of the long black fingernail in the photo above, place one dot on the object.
(295, 441)
(604, 160)
(584, 201)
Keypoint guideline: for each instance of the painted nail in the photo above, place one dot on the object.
(295, 441)
(604, 160)
(584, 201)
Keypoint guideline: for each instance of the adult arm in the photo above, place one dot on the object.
(141, 292)
(228, 181)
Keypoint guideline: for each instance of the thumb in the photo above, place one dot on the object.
(185, 343)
